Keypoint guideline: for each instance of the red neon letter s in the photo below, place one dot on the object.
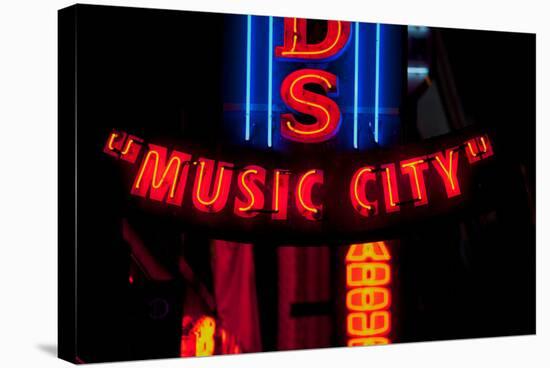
(213, 200)
(248, 182)
(304, 191)
(296, 46)
(159, 178)
(447, 167)
(358, 193)
(324, 110)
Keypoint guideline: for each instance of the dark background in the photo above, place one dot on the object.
(158, 73)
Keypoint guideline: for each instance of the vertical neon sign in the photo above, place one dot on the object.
(368, 295)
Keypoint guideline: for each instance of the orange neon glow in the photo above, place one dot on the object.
(248, 182)
(368, 324)
(295, 40)
(358, 189)
(367, 341)
(215, 200)
(304, 193)
(389, 184)
(368, 298)
(375, 251)
(446, 166)
(204, 332)
(280, 195)
(171, 182)
(473, 151)
(415, 168)
(367, 274)
(325, 111)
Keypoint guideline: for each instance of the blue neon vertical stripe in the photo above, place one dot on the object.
(355, 85)
(377, 82)
(270, 85)
(248, 47)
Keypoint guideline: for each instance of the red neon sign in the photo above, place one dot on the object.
(358, 191)
(389, 183)
(164, 181)
(255, 191)
(304, 192)
(205, 198)
(323, 109)
(320, 107)
(280, 194)
(478, 148)
(122, 145)
(368, 297)
(415, 168)
(296, 46)
(447, 167)
(249, 181)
